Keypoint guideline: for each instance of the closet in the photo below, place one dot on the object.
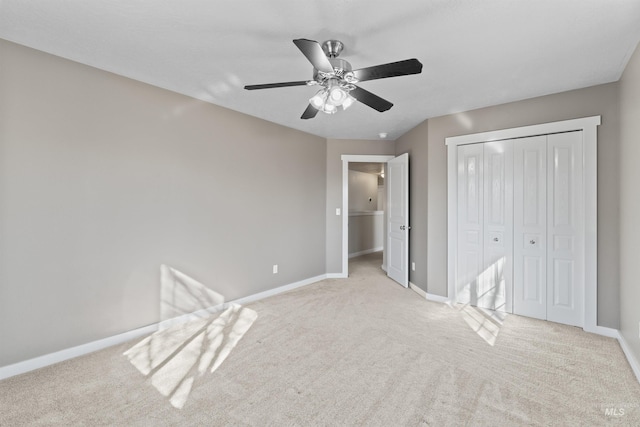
(520, 226)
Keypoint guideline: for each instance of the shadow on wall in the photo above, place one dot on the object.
(191, 340)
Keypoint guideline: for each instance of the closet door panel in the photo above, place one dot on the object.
(494, 289)
(470, 220)
(532, 279)
(565, 281)
(529, 227)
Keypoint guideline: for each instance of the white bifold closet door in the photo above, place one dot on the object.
(565, 229)
(470, 222)
(485, 226)
(530, 227)
(520, 226)
(548, 228)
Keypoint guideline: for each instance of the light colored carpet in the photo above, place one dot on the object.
(357, 351)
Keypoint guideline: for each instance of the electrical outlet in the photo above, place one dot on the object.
(413, 266)
(275, 268)
(337, 211)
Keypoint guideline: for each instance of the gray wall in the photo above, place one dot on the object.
(102, 179)
(630, 203)
(335, 149)
(366, 232)
(363, 191)
(598, 100)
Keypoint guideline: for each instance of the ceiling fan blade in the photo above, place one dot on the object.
(314, 53)
(392, 69)
(310, 112)
(274, 85)
(373, 101)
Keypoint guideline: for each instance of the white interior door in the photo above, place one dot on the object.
(398, 219)
(565, 225)
(530, 225)
(494, 287)
(470, 223)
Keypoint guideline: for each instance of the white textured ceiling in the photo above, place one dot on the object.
(475, 53)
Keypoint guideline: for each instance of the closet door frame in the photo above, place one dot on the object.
(588, 126)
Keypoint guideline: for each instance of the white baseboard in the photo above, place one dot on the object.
(604, 331)
(365, 252)
(633, 362)
(336, 276)
(417, 290)
(184, 318)
(70, 353)
(384, 268)
(428, 296)
(437, 298)
(279, 290)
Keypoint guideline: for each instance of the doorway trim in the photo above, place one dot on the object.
(346, 158)
(588, 126)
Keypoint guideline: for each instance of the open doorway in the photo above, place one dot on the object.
(396, 214)
(367, 196)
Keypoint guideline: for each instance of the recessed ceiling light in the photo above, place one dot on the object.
(382, 134)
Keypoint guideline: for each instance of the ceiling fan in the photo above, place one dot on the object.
(338, 80)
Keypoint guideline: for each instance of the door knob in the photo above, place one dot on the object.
(533, 242)
(495, 239)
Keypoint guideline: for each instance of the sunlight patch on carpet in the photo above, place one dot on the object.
(174, 358)
(485, 323)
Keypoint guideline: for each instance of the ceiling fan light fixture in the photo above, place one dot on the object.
(319, 99)
(348, 102)
(337, 95)
(331, 99)
(329, 108)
